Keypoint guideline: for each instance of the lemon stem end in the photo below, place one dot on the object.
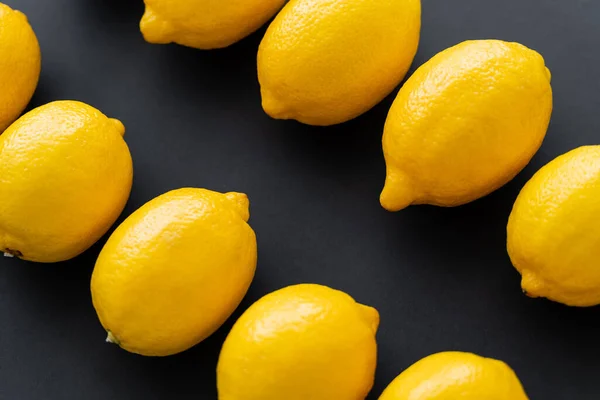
(110, 338)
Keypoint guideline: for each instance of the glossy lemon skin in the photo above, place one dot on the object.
(174, 271)
(20, 64)
(465, 124)
(205, 24)
(65, 177)
(301, 342)
(323, 62)
(554, 230)
(454, 376)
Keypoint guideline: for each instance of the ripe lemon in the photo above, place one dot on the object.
(174, 271)
(323, 62)
(66, 175)
(205, 24)
(301, 342)
(554, 230)
(453, 376)
(465, 124)
(20, 63)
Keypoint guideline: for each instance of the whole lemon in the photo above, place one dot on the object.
(174, 271)
(66, 175)
(554, 230)
(465, 124)
(205, 24)
(456, 375)
(20, 63)
(323, 62)
(301, 342)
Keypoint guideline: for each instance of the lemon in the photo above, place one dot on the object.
(456, 375)
(301, 342)
(205, 24)
(465, 124)
(323, 62)
(554, 230)
(66, 175)
(20, 63)
(174, 271)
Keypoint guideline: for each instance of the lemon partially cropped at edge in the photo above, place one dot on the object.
(456, 375)
(554, 230)
(205, 24)
(20, 64)
(324, 62)
(300, 342)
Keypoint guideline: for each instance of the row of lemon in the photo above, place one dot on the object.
(175, 270)
(463, 125)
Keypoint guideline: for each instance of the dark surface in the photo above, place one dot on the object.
(440, 278)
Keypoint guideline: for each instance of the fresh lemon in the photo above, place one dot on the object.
(174, 271)
(301, 342)
(453, 376)
(65, 176)
(465, 124)
(20, 63)
(554, 230)
(205, 24)
(323, 62)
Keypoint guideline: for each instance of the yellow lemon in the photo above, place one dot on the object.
(65, 176)
(456, 375)
(301, 342)
(323, 62)
(205, 24)
(174, 271)
(20, 63)
(465, 124)
(554, 230)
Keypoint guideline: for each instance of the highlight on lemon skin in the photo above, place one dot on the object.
(174, 271)
(301, 342)
(21, 64)
(456, 375)
(204, 24)
(465, 123)
(553, 230)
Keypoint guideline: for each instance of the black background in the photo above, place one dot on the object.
(440, 278)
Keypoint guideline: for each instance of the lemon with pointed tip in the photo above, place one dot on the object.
(174, 271)
(66, 174)
(554, 230)
(20, 64)
(324, 62)
(300, 342)
(456, 375)
(205, 24)
(465, 124)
